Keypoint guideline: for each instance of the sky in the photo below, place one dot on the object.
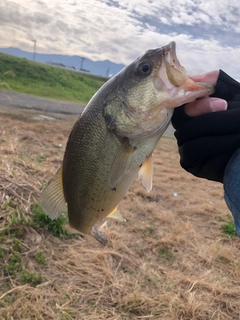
(207, 32)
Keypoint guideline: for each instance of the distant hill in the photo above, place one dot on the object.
(102, 68)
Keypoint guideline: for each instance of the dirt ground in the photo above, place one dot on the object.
(170, 260)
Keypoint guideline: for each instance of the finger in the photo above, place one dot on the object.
(209, 77)
(205, 105)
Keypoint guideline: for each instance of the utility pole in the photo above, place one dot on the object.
(107, 73)
(34, 49)
(82, 63)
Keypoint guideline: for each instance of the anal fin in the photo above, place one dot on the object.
(116, 214)
(146, 173)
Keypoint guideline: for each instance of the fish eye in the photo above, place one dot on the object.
(144, 68)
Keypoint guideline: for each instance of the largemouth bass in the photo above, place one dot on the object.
(115, 136)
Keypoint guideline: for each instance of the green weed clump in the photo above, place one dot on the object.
(229, 229)
(166, 254)
(40, 158)
(31, 278)
(54, 226)
(39, 257)
(17, 245)
(14, 264)
(1, 253)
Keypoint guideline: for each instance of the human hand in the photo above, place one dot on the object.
(207, 104)
(208, 139)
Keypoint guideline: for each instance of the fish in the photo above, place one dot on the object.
(113, 140)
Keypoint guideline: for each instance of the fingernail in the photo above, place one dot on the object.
(218, 104)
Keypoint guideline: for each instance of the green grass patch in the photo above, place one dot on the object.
(40, 158)
(14, 264)
(229, 229)
(31, 278)
(166, 254)
(25, 76)
(39, 257)
(54, 226)
(1, 253)
(17, 245)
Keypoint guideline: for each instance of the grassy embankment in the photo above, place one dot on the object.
(47, 81)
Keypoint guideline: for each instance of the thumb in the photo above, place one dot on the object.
(205, 105)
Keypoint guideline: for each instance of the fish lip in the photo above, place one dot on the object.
(169, 54)
(170, 62)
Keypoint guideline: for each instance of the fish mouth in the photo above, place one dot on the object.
(173, 78)
(169, 53)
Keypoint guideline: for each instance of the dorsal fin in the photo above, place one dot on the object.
(52, 197)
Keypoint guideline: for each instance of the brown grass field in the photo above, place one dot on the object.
(170, 260)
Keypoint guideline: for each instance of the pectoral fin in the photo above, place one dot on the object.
(52, 197)
(120, 163)
(146, 173)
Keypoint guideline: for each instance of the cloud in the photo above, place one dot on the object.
(207, 32)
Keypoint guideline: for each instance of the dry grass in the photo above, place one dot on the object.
(169, 261)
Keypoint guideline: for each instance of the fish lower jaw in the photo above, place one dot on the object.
(181, 96)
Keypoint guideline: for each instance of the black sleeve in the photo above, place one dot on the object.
(207, 142)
